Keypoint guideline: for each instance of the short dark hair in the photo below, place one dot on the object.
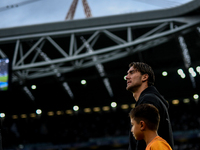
(144, 69)
(148, 113)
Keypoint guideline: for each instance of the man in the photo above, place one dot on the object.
(140, 80)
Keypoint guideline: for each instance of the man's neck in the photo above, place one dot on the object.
(137, 93)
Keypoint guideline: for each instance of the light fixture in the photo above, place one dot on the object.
(132, 105)
(96, 109)
(50, 113)
(59, 112)
(125, 77)
(83, 82)
(175, 101)
(124, 106)
(198, 69)
(75, 108)
(186, 100)
(106, 108)
(87, 110)
(2, 115)
(23, 116)
(196, 96)
(181, 73)
(33, 87)
(164, 73)
(14, 116)
(113, 104)
(38, 111)
(32, 115)
(69, 112)
(192, 72)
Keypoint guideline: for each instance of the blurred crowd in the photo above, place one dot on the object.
(82, 127)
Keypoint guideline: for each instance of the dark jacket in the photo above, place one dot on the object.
(151, 96)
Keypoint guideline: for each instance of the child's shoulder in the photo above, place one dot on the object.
(158, 143)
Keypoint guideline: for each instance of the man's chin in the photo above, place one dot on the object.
(128, 89)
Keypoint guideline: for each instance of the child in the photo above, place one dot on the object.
(145, 120)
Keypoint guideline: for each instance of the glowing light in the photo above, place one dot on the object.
(33, 87)
(32, 115)
(87, 110)
(132, 105)
(125, 77)
(175, 102)
(96, 109)
(106, 108)
(15, 117)
(192, 72)
(23, 116)
(59, 112)
(124, 106)
(50, 113)
(181, 73)
(113, 104)
(69, 112)
(198, 69)
(75, 108)
(2, 115)
(83, 82)
(183, 76)
(164, 73)
(196, 96)
(38, 111)
(186, 100)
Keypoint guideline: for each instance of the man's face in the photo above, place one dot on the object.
(134, 79)
(136, 130)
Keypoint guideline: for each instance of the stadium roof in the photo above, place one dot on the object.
(161, 38)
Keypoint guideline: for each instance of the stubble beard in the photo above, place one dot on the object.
(132, 88)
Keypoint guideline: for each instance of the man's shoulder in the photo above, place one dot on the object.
(149, 98)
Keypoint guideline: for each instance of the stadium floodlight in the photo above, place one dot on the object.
(2, 115)
(164, 73)
(38, 111)
(113, 104)
(198, 69)
(33, 87)
(192, 72)
(75, 108)
(83, 82)
(125, 77)
(181, 73)
(196, 96)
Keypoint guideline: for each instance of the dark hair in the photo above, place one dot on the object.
(148, 113)
(144, 69)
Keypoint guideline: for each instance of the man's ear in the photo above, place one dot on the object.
(145, 77)
(142, 125)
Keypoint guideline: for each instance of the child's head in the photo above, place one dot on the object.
(144, 117)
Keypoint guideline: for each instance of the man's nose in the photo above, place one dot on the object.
(126, 77)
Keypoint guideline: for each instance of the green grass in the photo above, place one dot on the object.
(3, 78)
